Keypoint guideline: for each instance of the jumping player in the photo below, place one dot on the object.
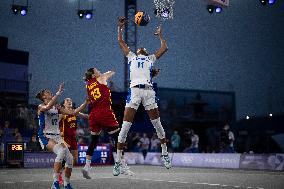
(49, 133)
(101, 114)
(140, 91)
(68, 127)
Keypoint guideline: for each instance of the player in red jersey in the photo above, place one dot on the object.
(68, 127)
(101, 114)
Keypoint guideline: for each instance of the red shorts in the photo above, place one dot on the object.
(102, 119)
(71, 141)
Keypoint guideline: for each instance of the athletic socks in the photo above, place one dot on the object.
(119, 155)
(164, 149)
(88, 163)
(55, 177)
(66, 181)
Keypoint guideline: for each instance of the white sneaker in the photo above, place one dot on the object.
(125, 170)
(116, 169)
(86, 172)
(166, 160)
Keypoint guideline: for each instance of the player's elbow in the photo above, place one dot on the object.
(166, 48)
(120, 41)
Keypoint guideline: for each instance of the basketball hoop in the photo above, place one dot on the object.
(164, 9)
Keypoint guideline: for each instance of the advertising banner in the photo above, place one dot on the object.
(38, 159)
(258, 161)
(206, 160)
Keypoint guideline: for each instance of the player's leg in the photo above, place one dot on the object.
(87, 168)
(125, 169)
(72, 146)
(75, 155)
(129, 114)
(155, 119)
(58, 149)
(60, 177)
(150, 105)
(68, 168)
(132, 104)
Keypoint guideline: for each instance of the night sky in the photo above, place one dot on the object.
(241, 49)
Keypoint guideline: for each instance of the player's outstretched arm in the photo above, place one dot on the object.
(52, 102)
(76, 111)
(121, 42)
(84, 116)
(164, 46)
(108, 74)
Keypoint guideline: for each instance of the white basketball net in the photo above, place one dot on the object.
(164, 9)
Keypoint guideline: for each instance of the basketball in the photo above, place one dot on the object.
(142, 18)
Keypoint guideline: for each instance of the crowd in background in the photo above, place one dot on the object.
(19, 124)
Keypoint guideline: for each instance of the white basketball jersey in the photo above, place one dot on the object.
(140, 69)
(51, 121)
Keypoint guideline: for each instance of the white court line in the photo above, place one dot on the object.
(173, 181)
(204, 183)
(146, 179)
(214, 184)
(27, 181)
(8, 182)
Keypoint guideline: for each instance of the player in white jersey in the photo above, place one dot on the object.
(49, 133)
(140, 91)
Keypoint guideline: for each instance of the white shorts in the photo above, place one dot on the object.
(43, 139)
(57, 138)
(137, 95)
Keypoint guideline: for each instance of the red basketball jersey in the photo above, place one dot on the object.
(68, 125)
(99, 94)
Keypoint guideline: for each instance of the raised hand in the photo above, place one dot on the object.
(61, 89)
(121, 21)
(158, 31)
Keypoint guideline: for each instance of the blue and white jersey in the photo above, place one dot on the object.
(140, 69)
(49, 122)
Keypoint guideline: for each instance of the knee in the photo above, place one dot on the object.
(60, 152)
(69, 159)
(124, 131)
(91, 149)
(159, 128)
(92, 145)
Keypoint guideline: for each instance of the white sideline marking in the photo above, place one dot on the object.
(182, 182)
(214, 184)
(204, 183)
(8, 182)
(146, 179)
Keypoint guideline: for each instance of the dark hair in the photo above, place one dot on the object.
(143, 51)
(39, 94)
(89, 74)
(155, 72)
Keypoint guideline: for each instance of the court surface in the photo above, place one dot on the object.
(147, 177)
